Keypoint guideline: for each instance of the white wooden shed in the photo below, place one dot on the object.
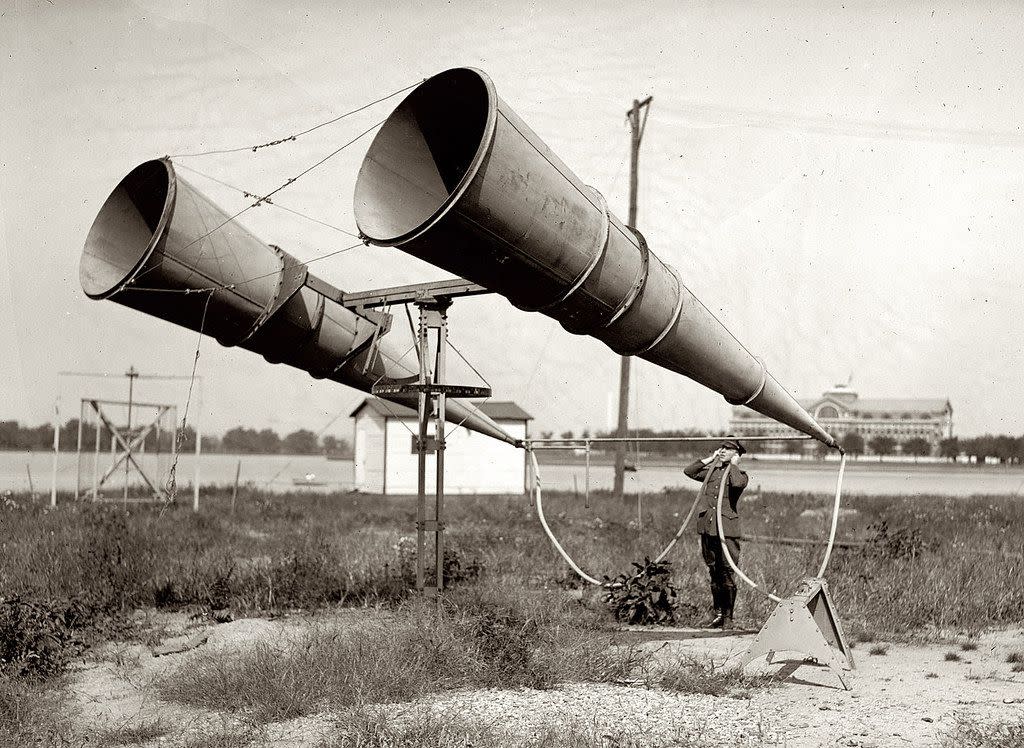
(384, 454)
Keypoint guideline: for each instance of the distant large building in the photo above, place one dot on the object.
(842, 411)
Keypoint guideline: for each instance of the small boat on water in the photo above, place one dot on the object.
(309, 480)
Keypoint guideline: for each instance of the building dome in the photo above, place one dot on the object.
(841, 392)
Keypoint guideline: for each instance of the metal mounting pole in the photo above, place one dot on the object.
(432, 300)
(421, 452)
(439, 429)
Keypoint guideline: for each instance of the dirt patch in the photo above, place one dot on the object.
(908, 696)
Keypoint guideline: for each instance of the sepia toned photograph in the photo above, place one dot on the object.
(524, 374)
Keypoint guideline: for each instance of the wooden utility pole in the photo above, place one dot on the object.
(636, 131)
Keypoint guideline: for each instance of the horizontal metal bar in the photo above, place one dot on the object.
(324, 288)
(134, 403)
(452, 390)
(616, 439)
(430, 525)
(447, 289)
(105, 374)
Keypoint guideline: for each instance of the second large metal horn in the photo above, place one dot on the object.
(160, 246)
(456, 178)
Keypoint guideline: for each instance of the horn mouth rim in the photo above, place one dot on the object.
(486, 138)
(100, 276)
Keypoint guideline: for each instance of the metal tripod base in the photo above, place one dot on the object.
(806, 622)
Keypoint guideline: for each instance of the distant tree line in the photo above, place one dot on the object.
(238, 440)
(664, 449)
(1002, 447)
(1005, 448)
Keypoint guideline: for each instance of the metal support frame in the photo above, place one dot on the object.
(806, 622)
(432, 300)
(132, 374)
(124, 444)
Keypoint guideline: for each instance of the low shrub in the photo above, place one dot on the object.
(645, 596)
(702, 675)
(40, 637)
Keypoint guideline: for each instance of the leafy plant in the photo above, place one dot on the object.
(645, 596)
(38, 638)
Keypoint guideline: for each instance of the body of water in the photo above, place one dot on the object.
(860, 478)
(279, 473)
(275, 472)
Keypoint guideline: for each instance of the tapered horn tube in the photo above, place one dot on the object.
(144, 251)
(454, 177)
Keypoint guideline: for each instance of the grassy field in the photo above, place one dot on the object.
(75, 576)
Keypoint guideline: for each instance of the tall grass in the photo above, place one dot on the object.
(479, 637)
(931, 564)
(33, 714)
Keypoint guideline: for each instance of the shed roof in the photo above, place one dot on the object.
(496, 410)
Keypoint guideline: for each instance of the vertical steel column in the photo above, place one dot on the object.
(439, 429)
(421, 452)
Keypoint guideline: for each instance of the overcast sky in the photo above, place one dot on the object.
(844, 187)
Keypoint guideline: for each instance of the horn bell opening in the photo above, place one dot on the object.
(425, 156)
(127, 228)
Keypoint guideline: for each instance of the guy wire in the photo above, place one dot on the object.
(171, 477)
(248, 193)
(289, 138)
(265, 198)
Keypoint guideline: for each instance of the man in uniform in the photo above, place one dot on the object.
(711, 471)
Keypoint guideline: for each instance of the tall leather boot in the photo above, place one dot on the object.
(728, 601)
(715, 618)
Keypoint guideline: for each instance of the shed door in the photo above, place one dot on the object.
(359, 457)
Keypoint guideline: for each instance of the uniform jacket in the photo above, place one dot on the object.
(708, 503)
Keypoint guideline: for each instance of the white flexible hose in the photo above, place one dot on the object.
(539, 501)
(835, 515)
(831, 534)
(544, 523)
(682, 528)
(725, 546)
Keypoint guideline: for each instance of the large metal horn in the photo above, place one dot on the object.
(456, 178)
(144, 251)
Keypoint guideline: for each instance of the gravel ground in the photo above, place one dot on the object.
(622, 715)
(908, 696)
